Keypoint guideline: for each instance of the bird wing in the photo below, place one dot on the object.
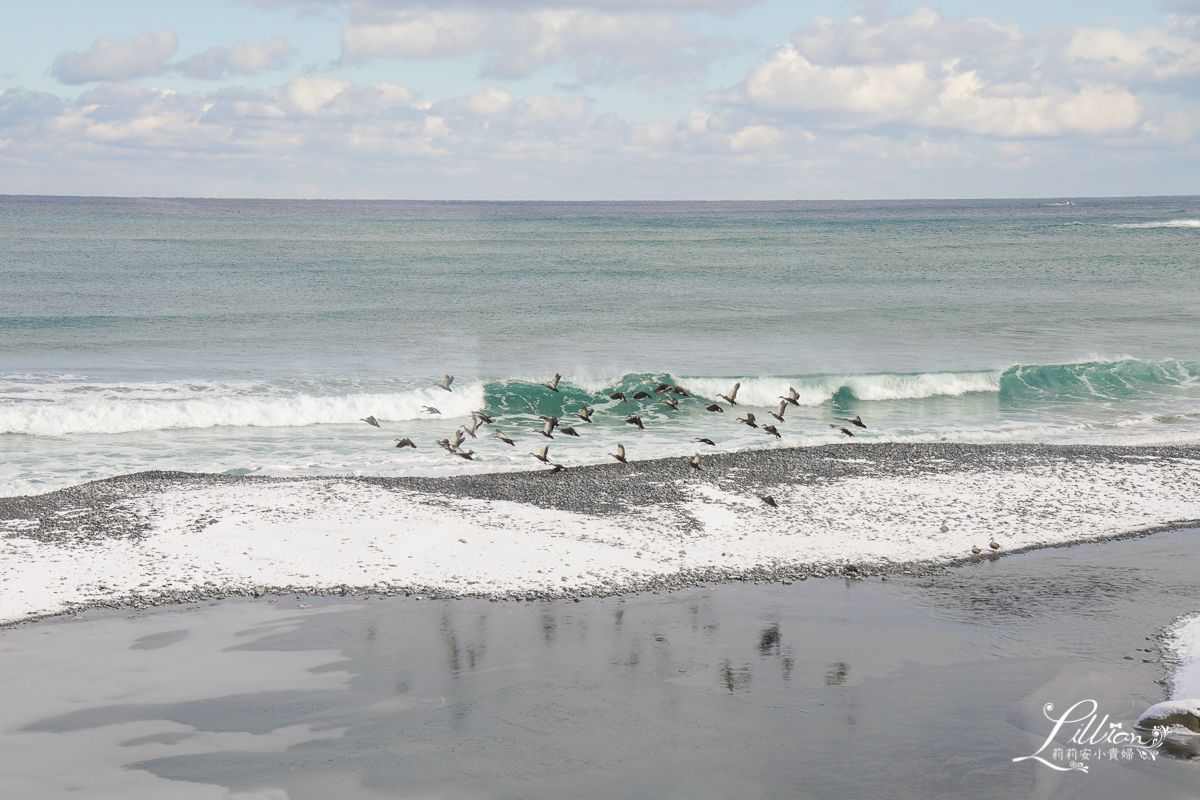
(449, 380)
(782, 407)
(621, 450)
(733, 392)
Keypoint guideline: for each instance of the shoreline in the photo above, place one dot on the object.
(666, 505)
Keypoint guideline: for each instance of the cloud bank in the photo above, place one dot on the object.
(924, 103)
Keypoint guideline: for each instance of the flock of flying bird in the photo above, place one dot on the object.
(667, 394)
(453, 445)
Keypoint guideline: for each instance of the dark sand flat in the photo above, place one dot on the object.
(910, 688)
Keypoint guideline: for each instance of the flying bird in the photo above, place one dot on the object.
(679, 390)
(714, 407)
(549, 426)
(430, 410)
(618, 396)
(456, 439)
(636, 421)
(693, 462)
(482, 417)
(444, 444)
(445, 384)
(557, 468)
(662, 388)
(641, 395)
(504, 438)
(771, 429)
(749, 420)
(843, 430)
(706, 441)
(471, 427)
(585, 414)
(620, 454)
(671, 403)
(370, 421)
(469, 455)
(731, 398)
(542, 455)
(406, 443)
(769, 500)
(569, 432)
(553, 384)
(857, 421)
(793, 397)
(778, 412)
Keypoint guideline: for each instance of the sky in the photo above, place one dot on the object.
(600, 99)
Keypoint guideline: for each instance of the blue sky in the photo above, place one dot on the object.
(600, 99)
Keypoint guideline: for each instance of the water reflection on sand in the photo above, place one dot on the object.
(823, 689)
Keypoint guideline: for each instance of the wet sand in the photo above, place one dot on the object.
(921, 687)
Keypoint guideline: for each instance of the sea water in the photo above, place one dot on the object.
(249, 336)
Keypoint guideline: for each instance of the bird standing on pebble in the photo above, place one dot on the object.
(992, 544)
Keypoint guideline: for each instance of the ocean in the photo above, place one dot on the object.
(252, 336)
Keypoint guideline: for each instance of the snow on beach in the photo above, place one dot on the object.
(594, 530)
(1185, 642)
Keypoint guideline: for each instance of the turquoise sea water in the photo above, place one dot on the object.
(251, 336)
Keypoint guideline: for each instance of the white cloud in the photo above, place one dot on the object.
(789, 82)
(1151, 55)
(118, 60)
(148, 55)
(601, 47)
(923, 35)
(710, 6)
(241, 59)
(973, 76)
(967, 103)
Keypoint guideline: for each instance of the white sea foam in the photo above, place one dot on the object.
(814, 391)
(328, 532)
(1174, 223)
(109, 410)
